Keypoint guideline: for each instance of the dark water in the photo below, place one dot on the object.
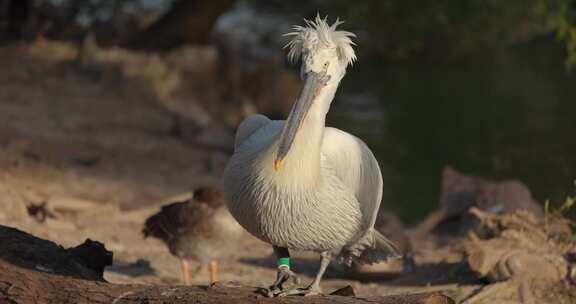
(507, 114)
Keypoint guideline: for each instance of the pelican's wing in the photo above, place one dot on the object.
(357, 168)
(248, 126)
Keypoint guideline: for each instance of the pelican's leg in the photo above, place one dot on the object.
(284, 274)
(314, 288)
(185, 271)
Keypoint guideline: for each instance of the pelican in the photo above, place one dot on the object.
(297, 184)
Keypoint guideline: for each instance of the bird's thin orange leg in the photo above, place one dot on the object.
(186, 272)
(213, 268)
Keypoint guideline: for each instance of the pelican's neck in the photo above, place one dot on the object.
(301, 166)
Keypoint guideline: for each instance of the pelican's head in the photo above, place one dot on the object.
(322, 48)
(325, 53)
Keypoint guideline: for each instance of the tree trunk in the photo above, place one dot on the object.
(186, 22)
(13, 17)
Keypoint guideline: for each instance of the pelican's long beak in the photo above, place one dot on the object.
(313, 83)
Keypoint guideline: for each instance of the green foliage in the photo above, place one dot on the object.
(401, 28)
(563, 209)
(568, 203)
(567, 33)
(562, 212)
(456, 25)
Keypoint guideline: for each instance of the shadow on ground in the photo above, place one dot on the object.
(139, 268)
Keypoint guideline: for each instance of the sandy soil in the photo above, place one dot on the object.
(98, 151)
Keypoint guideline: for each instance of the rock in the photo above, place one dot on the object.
(517, 247)
(520, 259)
(497, 261)
(529, 266)
(461, 192)
(483, 260)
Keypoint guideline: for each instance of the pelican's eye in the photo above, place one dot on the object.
(326, 65)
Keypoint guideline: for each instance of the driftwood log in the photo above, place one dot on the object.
(33, 270)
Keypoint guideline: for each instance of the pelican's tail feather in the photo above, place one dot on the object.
(372, 248)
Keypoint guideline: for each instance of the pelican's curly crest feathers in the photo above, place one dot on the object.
(318, 33)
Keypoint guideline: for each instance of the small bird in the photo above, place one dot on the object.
(199, 229)
(297, 184)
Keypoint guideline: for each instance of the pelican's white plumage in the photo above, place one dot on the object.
(319, 34)
(297, 184)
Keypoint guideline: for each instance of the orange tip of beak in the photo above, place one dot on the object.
(277, 164)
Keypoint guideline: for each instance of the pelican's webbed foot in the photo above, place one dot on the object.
(286, 280)
(314, 288)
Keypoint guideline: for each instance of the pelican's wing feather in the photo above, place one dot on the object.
(357, 168)
(249, 126)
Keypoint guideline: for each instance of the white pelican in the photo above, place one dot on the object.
(298, 184)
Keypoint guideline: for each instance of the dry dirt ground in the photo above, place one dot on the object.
(98, 151)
